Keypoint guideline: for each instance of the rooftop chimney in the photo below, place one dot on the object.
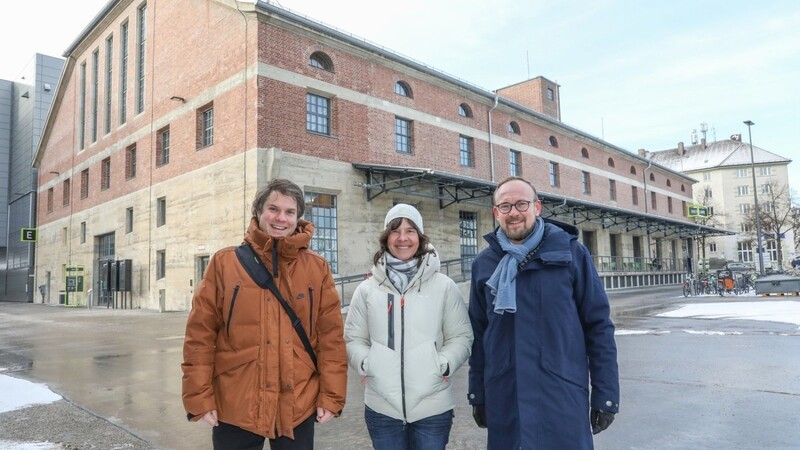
(642, 153)
(681, 150)
(702, 143)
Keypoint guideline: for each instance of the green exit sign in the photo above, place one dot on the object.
(28, 235)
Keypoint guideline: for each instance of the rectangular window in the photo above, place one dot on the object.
(669, 204)
(95, 91)
(745, 251)
(82, 109)
(708, 193)
(710, 210)
(468, 230)
(318, 114)
(162, 147)
(161, 211)
(550, 94)
(706, 176)
(205, 126)
(766, 188)
(67, 192)
(772, 250)
(466, 152)
(109, 78)
(742, 191)
(712, 247)
(744, 208)
(515, 159)
(50, 200)
(612, 190)
(130, 162)
(741, 173)
(653, 204)
(83, 232)
(554, 176)
(586, 183)
(767, 207)
(105, 174)
(85, 183)
(634, 195)
(140, 46)
(746, 227)
(402, 131)
(322, 211)
(123, 73)
(765, 171)
(161, 264)
(129, 219)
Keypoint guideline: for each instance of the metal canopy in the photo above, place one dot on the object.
(450, 188)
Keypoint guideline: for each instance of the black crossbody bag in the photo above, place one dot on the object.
(261, 276)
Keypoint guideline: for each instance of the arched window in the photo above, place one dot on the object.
(652, 177)
(683, 188)
(584, 153)
(610, 162)
(553, 141)
(669, 183)
(402, 88)
(513, 127)
(464, 110)
(321, 61)
(633, 170)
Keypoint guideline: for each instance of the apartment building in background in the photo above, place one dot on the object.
(155, 149)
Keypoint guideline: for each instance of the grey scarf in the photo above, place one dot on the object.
(400, 272)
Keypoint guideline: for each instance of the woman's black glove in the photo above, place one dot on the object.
(600, 420)
(479, 414)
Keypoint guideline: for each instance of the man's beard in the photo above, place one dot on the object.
(520, 235)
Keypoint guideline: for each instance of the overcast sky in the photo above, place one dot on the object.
(637, 73)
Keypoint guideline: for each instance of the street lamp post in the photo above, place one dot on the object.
(759, 249)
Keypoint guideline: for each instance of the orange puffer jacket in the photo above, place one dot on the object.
(241, 355)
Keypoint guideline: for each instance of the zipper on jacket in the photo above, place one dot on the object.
(230, 311)
(390, 328)
(402, 355)
(310, 310)
(275, 259)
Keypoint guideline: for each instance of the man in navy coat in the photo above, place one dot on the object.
(543, 332)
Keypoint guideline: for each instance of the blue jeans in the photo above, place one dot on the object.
(430, 433)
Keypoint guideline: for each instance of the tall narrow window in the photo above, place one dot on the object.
(318, 114)
(653, 204)
(141, 38)
(50, 200)
(513, 127)
(550, 94)
(612, 190)
(109, 78)
(586, 183)
(123, 73)
(105, 174)
(85, 183)
(130, 162)
(634, 195)
(515, 161)
(129, 219)
(669, 204)
(161, 211)
(161, 264)
(162, 147)
(554, 176)
(466, 151)
(552, 142)
(321, 210)
(205, 126)
(82, 109)
(402, 130)
(95, 92)
(67, 192)
(83, 232)
(468, 230)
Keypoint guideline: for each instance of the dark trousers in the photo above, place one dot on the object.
(230, 437)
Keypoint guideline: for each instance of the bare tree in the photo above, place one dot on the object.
(775, 207)
(714, 217)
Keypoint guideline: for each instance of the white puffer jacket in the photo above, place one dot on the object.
(405, 342)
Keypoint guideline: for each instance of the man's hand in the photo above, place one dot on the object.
(600, 420)
(211, 418)
(479, 414)
(323, 415)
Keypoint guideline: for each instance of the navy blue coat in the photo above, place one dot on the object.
(532, 369)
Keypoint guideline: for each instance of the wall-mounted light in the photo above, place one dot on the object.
(178, 99)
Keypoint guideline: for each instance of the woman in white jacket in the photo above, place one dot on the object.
(407, 331)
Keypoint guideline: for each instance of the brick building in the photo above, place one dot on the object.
(170, 115)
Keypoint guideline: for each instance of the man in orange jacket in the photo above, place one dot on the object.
(246, 371)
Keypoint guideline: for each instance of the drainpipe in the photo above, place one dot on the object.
(644, 179)
(491, 146)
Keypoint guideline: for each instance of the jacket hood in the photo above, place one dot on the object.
(287, 247)
(429, 266)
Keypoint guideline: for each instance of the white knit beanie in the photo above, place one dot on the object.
(402, 210)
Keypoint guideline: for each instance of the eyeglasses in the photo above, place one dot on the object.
(521, 206)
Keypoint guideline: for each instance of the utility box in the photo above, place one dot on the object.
(113, 278)
(105, 274)
(778, 284)
(124, 272)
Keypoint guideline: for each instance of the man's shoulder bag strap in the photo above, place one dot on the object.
(261, 276)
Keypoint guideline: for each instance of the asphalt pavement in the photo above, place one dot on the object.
(686, 383)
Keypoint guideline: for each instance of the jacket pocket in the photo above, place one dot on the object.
(230, 310)
(424, 376)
